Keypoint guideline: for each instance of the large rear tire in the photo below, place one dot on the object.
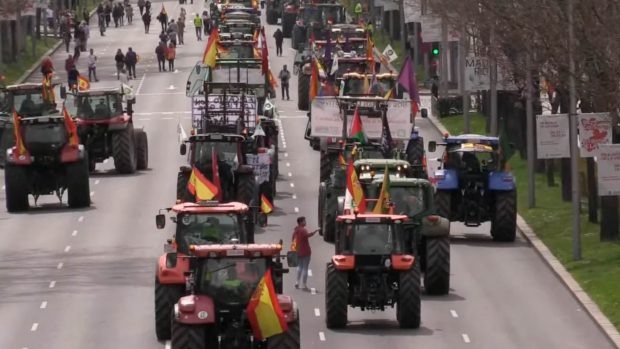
(16, 187)
(166, 297)
(443, 203)
(326, 166)
(504, 219)
(247, 193)
(78, 186)
(437, 272)
(330, 212)
(415, 157)
(124, 150)
(272, 16)
(408, 305)
(289, 339)
(142, 150)
(336, 297)
(303, 91)
(188, 336)
(288, 22)
(183, 193)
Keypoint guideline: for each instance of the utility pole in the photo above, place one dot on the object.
(529, 112)
(574, 151)
(443, 85)
(416, 46)
(493, 85)
(462, 61)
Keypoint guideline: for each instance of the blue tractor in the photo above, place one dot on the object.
(473, 187)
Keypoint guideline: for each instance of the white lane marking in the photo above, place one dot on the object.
(81, 219)
(167, 345)
(144, 119)
(163, 112)
(293, 117)
(34, 327)
(68, 248)
(92, 193)
(167, 118)
(141, 82)
(162, 93)
(313, 291)
(466, 338)
(97, 182)
(309, 272)
(284, 146)
(43, 305)
(294, 196)
(167, 113)
(322, 336)
(288, 164)
(286, 155)
(292, 185)
(296, 209)
(3, 187)
(52, 284)
(171, 87)
(317, 312)
(74, 233)
(454, 314)
(290, 174)
(60, 265)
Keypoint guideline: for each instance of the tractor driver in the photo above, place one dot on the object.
(102, 109)
(28, 107)
(84, 108)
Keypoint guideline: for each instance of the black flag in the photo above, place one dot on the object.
(386, 139)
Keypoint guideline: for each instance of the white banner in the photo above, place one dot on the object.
(431, 29)
(413, 10)
(552, 137)
(260, 163)
(372, 126)
(326, 120)
(477, 73)
(594, 130)
(399, 119)
(608, 160)
(232, 107)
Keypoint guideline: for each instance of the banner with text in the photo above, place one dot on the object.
(552, 137)
(608, 160)
(477, 73)
(326, 120)
(594, 129)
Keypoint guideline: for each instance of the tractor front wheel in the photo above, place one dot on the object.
(16, 186)
(303, 91)
(336, 297)
(186, 336)
(291, 339)
(408, 305)
(166, 297)
(504, 218)
(437, 272)
(124, 150)
(142, 150)
(443, 203)
(77, 184)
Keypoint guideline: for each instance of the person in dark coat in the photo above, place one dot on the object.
(146, 18)
(279, 37)
(160, 51)
(119, 58)
(162, 17)
(131, 59)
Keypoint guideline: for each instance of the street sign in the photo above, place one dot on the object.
(608, 160)
(552, 137)
(594, 130)
(477, 73)
(41, 4)
(431, 29)
(390, 54)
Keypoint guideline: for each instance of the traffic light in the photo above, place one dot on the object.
(435, 49)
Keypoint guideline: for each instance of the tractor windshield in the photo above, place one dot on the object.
(231, 280)
(5, 103)
(205, 229)
(226, 153)
(237, 52)
(332, 14)
(95, 107)
(310, 14)
(373, 239)
(473, 158)
(31, 103)
(408, 201)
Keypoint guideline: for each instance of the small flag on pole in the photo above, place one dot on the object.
(264, 312)
(200, 186)
(83, 83)
(265, 206)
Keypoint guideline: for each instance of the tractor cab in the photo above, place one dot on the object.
(372, 238)
(371, 169)
(355, 84)
(470, 154)
(29, 100)
(228, 148)
(100, 106)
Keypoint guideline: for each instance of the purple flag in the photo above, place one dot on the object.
(328, 49)
(407, 80)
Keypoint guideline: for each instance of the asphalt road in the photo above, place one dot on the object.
(84, 278)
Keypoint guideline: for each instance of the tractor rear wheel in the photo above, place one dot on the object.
(303, 91)
(166, 297)
(183, 193)
(443, 203)
(124, 150)
(437, 272)
(272, 16)
(288, 21)
(329, 213)
(247, 193)
(336, 297)
(77, 184)
(504, 218)
(142, 150)
(415, 157)
(189, 336)
(16, 186)
(326, 166)
(289, 339)
(408, 305)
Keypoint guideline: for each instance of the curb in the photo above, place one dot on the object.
(567, 279)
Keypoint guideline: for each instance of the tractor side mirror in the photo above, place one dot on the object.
(183, 149)
(171, 260)
(424, 113)
(432, 146)
(160, 221)
(63, 92)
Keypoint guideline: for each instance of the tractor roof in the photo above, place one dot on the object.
(236, 250)
(25, 87)
(210, 207)
(371, 218)
(101, 92)
(217, 137)
(472, 138)
(382, 76)
(381, 163)
(396, 181)
(472, 148)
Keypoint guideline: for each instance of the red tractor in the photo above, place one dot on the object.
(196, 224)
(222, 280)
(374, 268)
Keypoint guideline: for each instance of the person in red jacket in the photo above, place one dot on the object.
(300, 238)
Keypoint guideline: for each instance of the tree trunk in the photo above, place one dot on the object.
(550, 167)
(592, 192)
(609, 218)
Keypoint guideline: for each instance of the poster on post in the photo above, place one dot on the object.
(552, 136)
(477, 73)
(594, 129)
(608, 160)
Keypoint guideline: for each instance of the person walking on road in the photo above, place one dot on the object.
(66, 36)
(172, 36)
(129, 13)
(164, 37)
(147, 6)
(171, 55)
(146, 18)
(300, 239)
(141, 6)
(119, 58)
(279, 37)
(101, 20)
(72, 78)
(69, 63)
(181, 25)
(162, 17)
(206, 23)
(160, 51)
(198, 25)
(92, 66)
(131, 59)
(284, 76)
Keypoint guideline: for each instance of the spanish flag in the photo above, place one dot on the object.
(20, 148)
(342, 161)
(384, 196)
(263, 310)
(71, 128)
(272, 80)
(265, 206)
(314, 80)
(216, 175)
(210, 54)
(355, 188)
(83, 83)
(200, 186)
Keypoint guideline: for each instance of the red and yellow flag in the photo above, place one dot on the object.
(47, 89)
(210, 54)
(216, 175)
(314, 80)
(272, 80)
(20, 148)
(342, 161)
(382, 205)
(83, 83)
(357, 130)
(370, 53)
(200, 186)
(265, 206)
(71, 127)
(355, 188)
(264, 312)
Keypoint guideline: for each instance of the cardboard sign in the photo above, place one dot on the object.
(594, 129)
(552, 136)
(260, 163)
(220, 108)
(608, 160)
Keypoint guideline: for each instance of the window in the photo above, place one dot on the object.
(204, 229)
(372, 239)
(409, 201)
(231, 280)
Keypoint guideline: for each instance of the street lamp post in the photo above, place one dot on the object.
(574, 151)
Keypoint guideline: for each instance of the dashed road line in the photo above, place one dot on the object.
(92, 193)
(466, 338)
(81, 219)
(43, 305)
(317, 312)
(74, 233)
(290, 174)
(167, 118)
(286, 155)
(167, 345)
(454, 314)
(97, 182)
(52, 284)
(60, 265)
(322, 336)
(309, 272)
(296, 209)
(34, 327)
(292, 185)
(140, 85)
(68, 248)
(294, 196)
(313, 291)
(288, 164)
